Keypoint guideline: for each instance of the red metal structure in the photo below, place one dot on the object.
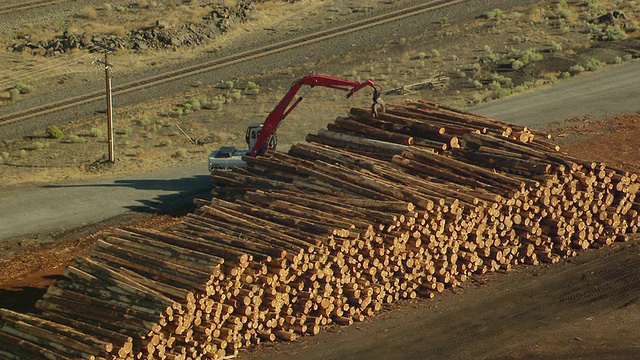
(284, 107)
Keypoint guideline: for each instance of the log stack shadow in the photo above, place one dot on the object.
(365, 213)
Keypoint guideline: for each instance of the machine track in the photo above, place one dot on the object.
(229, 60)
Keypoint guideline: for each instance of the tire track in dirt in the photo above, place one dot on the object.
(597, 286)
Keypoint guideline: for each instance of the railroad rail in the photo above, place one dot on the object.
(21, 6)
(230, 60)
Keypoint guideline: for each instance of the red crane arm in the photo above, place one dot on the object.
(285, 107)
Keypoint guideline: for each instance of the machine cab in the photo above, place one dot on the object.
(252, 136)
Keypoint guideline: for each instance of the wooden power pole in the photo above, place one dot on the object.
(107, 71)
(107, 75)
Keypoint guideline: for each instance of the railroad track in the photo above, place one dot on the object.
(230, 60)
(21, 6)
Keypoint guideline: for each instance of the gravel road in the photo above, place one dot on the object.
(607, 93)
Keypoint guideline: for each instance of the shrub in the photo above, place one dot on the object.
(166, 142)
(95, 132)
(127, 131)
(520, 38)
(613, 33)
(180, 153)
(494, 14)
(517, 64)
(435, 53)
(23, 153)
(576, 69)
(593, 64)
(6, 156)
(516, 15)
(565, 75)
(564, 13)
(22, 88)
(556, 47)
(176, 113)
(88, 12)
(14, 94)
(503, 80)
(75, 139)
(54, 132)
(193, 104)
(531, 55)
(494, 85)
(107, 7)
(144, 121)
(592, 28)
(228, 84)
(618, 60)
(38, 145)
(235, 95)
(215, 104)
(491, 57)
(500, 93)
(252, 88)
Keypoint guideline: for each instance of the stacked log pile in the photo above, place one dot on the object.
(367, 212)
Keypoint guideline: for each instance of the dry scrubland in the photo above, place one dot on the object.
(498, 54)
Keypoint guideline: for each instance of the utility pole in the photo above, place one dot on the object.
(107, 75)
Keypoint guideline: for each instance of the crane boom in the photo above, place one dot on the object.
(285, 106)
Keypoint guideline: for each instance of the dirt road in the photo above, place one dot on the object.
(610, 92)
(584, 308)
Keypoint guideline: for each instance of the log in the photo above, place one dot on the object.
(327, 234)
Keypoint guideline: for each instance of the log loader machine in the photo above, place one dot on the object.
(262, 137)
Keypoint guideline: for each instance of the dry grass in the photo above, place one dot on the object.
(88, 12)
(97, 28)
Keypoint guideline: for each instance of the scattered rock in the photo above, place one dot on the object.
(611, 17)
(163, 36)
